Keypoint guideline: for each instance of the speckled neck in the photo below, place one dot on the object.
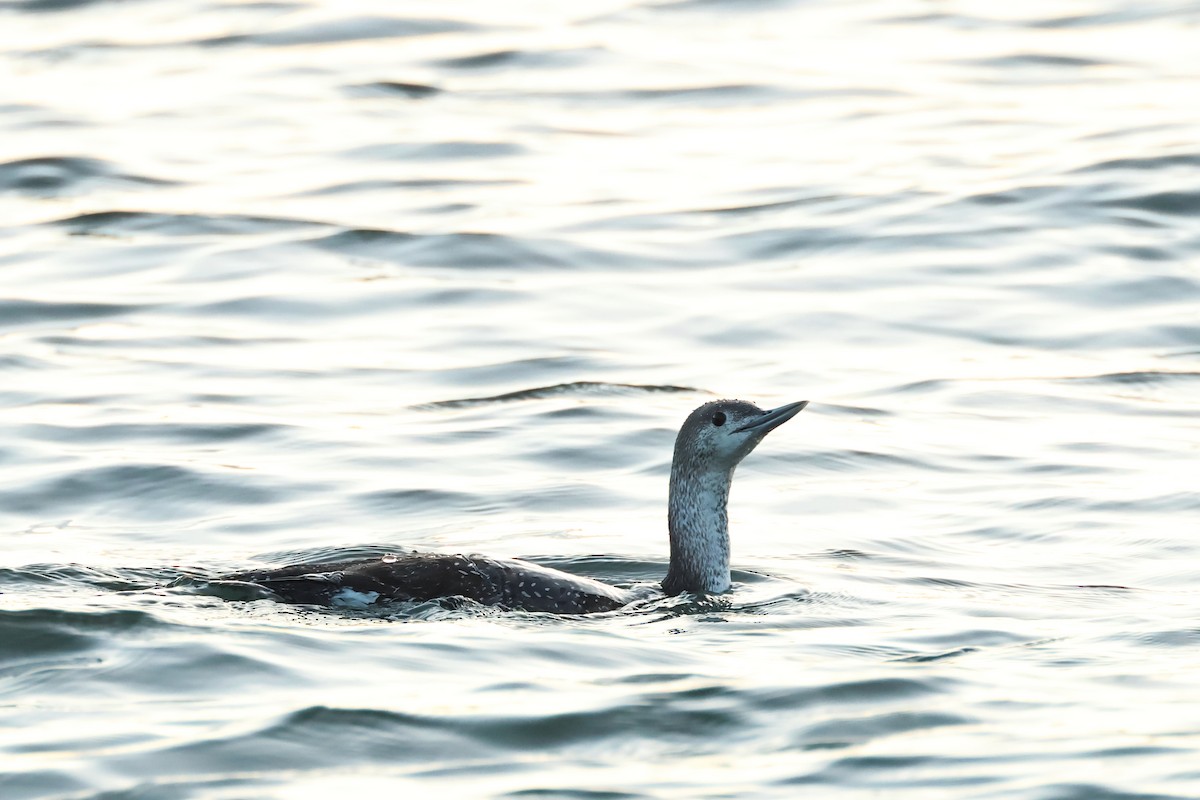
(699, 526)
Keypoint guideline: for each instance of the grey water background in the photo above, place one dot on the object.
(281, 281)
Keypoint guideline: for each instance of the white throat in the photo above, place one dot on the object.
(698, 524)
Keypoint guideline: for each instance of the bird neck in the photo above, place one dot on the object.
(698, 523)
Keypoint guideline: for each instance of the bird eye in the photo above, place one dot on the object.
(719, 418)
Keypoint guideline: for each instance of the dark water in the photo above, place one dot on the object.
(285, 281)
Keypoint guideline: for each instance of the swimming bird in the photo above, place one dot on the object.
(712, 442)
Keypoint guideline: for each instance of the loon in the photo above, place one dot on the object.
(712, 442)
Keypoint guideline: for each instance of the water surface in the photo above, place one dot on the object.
(281, 281)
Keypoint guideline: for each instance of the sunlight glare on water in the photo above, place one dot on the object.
(304, 281)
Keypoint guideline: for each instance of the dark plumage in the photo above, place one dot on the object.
(711, 443)
(508, 583)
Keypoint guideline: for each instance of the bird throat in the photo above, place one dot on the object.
(698, 523)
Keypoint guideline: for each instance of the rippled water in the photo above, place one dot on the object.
(286, 281)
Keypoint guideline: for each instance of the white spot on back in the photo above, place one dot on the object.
(352, 599)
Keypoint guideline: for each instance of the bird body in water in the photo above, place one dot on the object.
(712, 442)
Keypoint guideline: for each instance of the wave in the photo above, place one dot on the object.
(556, 390)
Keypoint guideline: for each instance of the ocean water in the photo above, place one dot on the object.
(296, 280)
